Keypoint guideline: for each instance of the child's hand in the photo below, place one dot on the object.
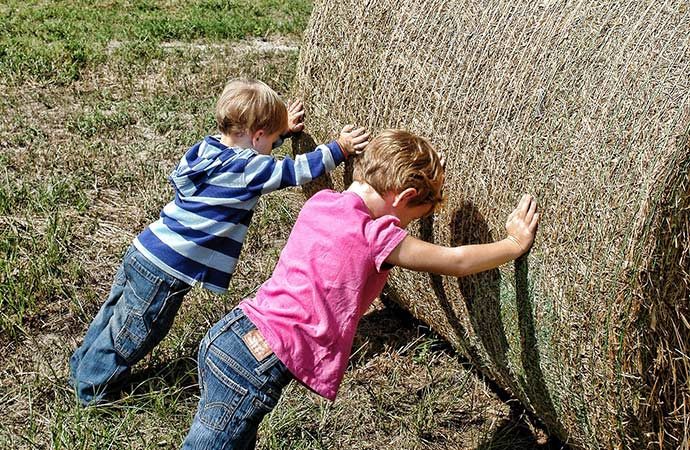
(353, 140)
(295, 118)
(522, 223)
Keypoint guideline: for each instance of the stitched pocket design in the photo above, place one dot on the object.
(221, 397)
(138, 310)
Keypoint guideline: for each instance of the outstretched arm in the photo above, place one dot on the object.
(521, 227)
(266, 173)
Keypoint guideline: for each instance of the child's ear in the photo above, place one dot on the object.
(256, 136)
(404, 196)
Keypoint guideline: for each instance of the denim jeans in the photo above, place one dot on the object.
(237, 388)
(137, 315)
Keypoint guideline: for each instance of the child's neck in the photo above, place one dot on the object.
(241, 140)
(378, 205)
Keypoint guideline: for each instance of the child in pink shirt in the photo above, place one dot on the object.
(302, 321)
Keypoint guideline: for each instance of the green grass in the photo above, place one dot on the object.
(43, 195)
(97, 122)
(35, 238)
(55, 41)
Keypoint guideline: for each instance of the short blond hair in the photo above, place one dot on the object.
(250, 105)
(396, 160)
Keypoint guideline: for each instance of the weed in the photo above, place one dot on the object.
(96, 122)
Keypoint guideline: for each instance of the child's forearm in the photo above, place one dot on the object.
(266, 173)
(415, 254)
(471, 259)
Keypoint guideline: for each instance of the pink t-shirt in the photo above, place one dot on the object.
(327, 276)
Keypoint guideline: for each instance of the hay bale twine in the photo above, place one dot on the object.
(587, 106)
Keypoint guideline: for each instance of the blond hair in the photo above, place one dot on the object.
(250, 105)
(396, 160)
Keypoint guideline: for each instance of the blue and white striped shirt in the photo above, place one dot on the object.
(199, 235)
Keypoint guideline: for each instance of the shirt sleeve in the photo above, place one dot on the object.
(278, 143)
(264, 173)
(384, 234)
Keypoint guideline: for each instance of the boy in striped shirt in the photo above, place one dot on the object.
(199, 235)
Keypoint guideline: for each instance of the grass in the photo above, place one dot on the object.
(27, 280)
(99, 100)
(56, 41)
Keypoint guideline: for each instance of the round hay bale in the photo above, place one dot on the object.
(584, 104)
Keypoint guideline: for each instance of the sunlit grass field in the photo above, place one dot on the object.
(98, 100)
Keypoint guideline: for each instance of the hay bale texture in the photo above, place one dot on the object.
(585, 104)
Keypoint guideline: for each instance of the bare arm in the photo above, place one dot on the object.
(415, 254)
(521, 226)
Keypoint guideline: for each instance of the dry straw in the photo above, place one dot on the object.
(585, 104)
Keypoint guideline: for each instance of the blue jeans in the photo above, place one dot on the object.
(240, 381)
(137, 315)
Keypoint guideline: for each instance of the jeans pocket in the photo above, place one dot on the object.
(142, 286)
(137, 308)
(129, 340)
(222, 398)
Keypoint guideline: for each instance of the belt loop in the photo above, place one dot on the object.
(266, 365)
(225, 323)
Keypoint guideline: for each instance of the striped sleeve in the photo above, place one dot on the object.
(265, 173)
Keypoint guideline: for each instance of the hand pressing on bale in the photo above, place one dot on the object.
(415, 254)
(521, 225)
(295, 118)
(353, 140)
(295, 122)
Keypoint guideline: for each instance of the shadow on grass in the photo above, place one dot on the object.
(394, 327)
(515, 432)
(179, 374)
